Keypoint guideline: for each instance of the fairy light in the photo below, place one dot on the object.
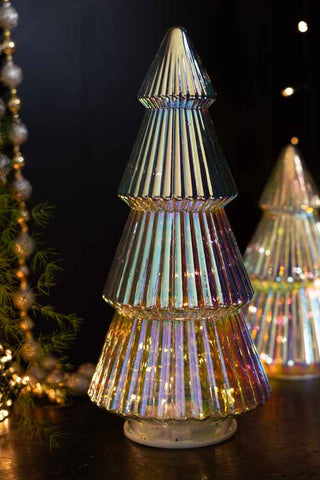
(11, 383)
(302, 26)
(287, 92)
(252, 309)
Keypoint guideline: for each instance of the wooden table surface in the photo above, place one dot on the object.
(280, 440)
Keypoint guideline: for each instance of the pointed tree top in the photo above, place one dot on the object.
(290, 186)
(176, 77)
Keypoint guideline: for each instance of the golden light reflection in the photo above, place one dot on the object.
(9, 454)
(4, 427)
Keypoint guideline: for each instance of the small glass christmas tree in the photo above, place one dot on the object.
(178, 360)
(283, 259)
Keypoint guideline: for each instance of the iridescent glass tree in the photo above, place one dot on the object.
(178, 361)
(283, 260)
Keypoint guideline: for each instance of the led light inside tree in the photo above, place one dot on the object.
(178, 362)
(283, 260)
(11, 383)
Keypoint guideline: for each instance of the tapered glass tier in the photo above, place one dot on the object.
(285, 326)
(176, 77)
(177, 157)
(285, 249)
(173, 370)
(177, 264)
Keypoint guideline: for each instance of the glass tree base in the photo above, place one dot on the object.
(296, 377)
(293, 377)
(188, 434)
(295, 372)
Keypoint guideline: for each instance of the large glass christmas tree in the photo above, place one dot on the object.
(178, 361)
(283, 259)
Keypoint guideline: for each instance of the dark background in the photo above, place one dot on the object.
(83, 63)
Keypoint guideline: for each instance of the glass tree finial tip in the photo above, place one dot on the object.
(177, 28)
(176, 77)
(290, 186)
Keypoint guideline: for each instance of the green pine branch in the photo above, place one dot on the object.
(42, 214)
(44, 269)
(26, 422)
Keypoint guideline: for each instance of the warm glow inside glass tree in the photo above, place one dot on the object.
(283, 260)
(178, 361)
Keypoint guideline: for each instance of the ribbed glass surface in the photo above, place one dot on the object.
(180, 264)
(164, 370)
(283, 260)
(285, 326)
(177, 156)
(285, 248)
(176, 77)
